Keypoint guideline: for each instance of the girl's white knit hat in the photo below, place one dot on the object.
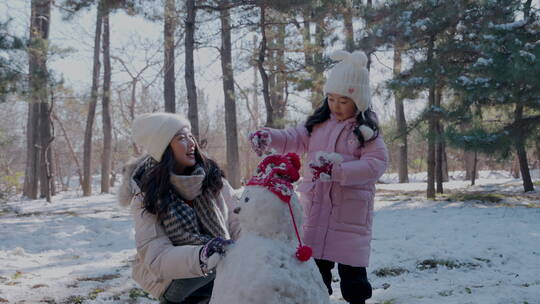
(350, 77)
(154, 131)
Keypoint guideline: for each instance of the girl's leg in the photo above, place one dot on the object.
(181, 290)
(325, 268)
(354, 284)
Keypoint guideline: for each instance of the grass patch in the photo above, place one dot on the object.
(449, 264)
(391, 301)
(94, 293)
(135, 293)
(537, 183)
(74, 300)
(446, 293)
(16, 275)
(103, 278)
(475, 196)
(390, 271)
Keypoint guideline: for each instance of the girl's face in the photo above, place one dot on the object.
(341, 106)
(183, 146)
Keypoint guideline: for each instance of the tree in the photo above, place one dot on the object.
(504, 77)
(169, 29)
(39, 136)
(106, 157)
(193, 112)
(419, 27)
(233, 158)
(11, 73)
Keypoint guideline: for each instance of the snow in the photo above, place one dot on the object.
(483, 62)
(464, 80)
(266, 250)
(508, 26)
(82, 247)
(527, 55)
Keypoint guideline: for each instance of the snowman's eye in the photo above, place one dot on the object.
(246, 199)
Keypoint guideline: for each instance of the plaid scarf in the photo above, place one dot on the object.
(186, 225)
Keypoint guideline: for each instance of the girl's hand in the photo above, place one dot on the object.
(322, 166)
(212, 252)
(260, 141)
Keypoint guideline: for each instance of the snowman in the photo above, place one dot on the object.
(268, 263)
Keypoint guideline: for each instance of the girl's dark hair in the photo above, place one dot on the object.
(156, 183)
(322, 114)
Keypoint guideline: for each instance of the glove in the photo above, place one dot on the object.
(212, 252)
(321, 167)
(260, 141)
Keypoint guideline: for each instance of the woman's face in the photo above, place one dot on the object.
(183, 146)
(341, 106)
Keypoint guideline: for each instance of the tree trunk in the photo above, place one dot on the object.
(37, 135)
(521, 152)
(514, 171)
(47, 137)
(262, 71)
(70, 148)
(439, 157)
(87, 154)
(474, 169)
(349, 29)
(468, 157)
(401, 125)
(32, 171)
(193, 112)
(318, 61)
(432, 129)
(233, 158)
(106, 103)
(169, 28)
(279, 102)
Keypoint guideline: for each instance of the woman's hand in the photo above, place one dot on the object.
(212, 252)
(260, 141)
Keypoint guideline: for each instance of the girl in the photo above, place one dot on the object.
(347, 156)
(180, 204)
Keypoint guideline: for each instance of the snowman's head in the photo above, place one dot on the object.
(269, 197)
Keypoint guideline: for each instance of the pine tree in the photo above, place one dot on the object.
(504, 78)
(10, 72)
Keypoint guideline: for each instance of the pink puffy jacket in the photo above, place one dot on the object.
(338, 215)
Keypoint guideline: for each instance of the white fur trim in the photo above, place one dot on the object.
(366, 131)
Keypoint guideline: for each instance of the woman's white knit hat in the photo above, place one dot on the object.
(350, 77)
(154, 131)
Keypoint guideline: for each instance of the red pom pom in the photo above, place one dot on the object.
(303, 253)
(294, 159)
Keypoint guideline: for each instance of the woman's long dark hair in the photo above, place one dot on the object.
(156, 183)
(322, 114)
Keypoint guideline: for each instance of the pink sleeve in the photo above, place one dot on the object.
(289, 140)
(366, 170)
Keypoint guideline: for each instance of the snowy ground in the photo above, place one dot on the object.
(474, 245)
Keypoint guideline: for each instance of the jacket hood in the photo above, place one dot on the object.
(128, 189)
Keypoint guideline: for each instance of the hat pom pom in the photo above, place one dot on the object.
(339, 55)
(359, 58)
(295, 160)
(366, 131)
(303, 253)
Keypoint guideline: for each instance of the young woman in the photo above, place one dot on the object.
(182, 211)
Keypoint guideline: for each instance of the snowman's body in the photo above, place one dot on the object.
(261, 267)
